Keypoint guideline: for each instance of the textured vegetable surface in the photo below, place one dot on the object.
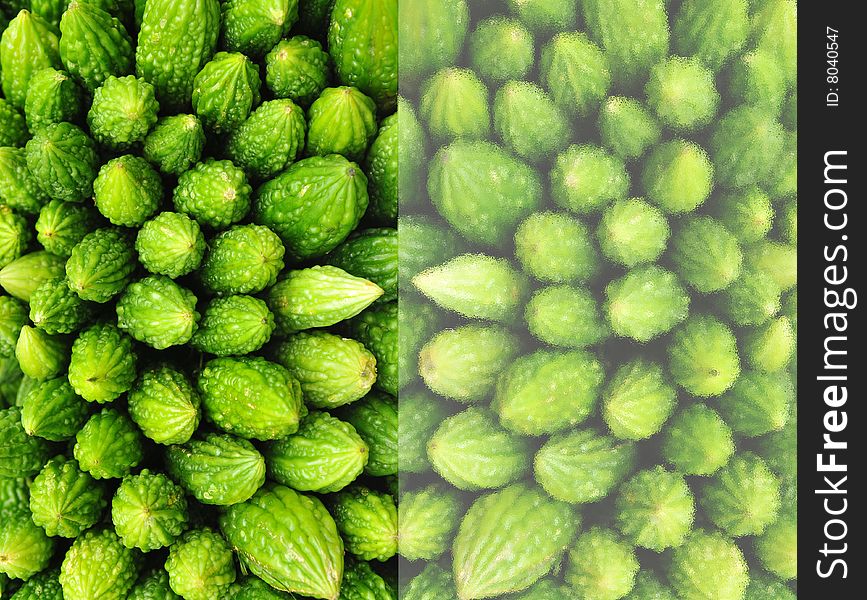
(598, 298)
(175, 41)
(198, 318)
(318, 568)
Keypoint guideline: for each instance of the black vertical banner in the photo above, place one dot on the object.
(831, 415)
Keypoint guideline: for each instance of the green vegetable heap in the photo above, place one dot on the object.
(198, 317)
(598, 299)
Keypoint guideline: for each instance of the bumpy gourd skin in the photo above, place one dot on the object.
(254, 26)
(24, 548)
(708, 564)
(505, 190)
(575, 72)
(200, 565)
(15, 235)
(432, 582)
(18, 188)
(544, 317)
(637, 400)
(127, 190)
(758, 403)
(149, 511)
(571, 382)
(373, 255)
(153, 586)
(64, 500)
(52, 410)
(484, 565)
(698, 441)
(362, 39)
(170, 244)
(109, 445)
(297, 69)
(234, 325)
(556, 248)
(28, 44)
(529, 122)
(21, 455)
(220, 469)
(13, 129)
(471, 451)
(102, 365)
(215, 193)
(463, 363)
(601, 566)
(251, 397)
(632, 232)
(334, 198)
(157, 311)
(93, 44)
(42, 586)
(375, 419)
(743, 498)
(711, 32)
(454, 104)
(703, 356)
(586, 178)
(431, 36)
(360, 581)
(367, 521)
(319, 297)
(501, 49)
(242, 260)
(706, 255)
(225, 91)
(341, 121)
(324, 455)
(123, 111)
(630, 56)
(165, 405)
(381, 166)
(269, 140)
(52, 97)
(98, 566)
(13, 316)
(746, 146)
(101, 265)
(655, 509)
(61, 225)
(63, 160)
(50, 10)
(427, 519)
(332, 370)
(582, 466)
(627, 128)
(175, 143)
(274, 513)
(175, 41)
(376, 328)
(645, 303)
(14, 493)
